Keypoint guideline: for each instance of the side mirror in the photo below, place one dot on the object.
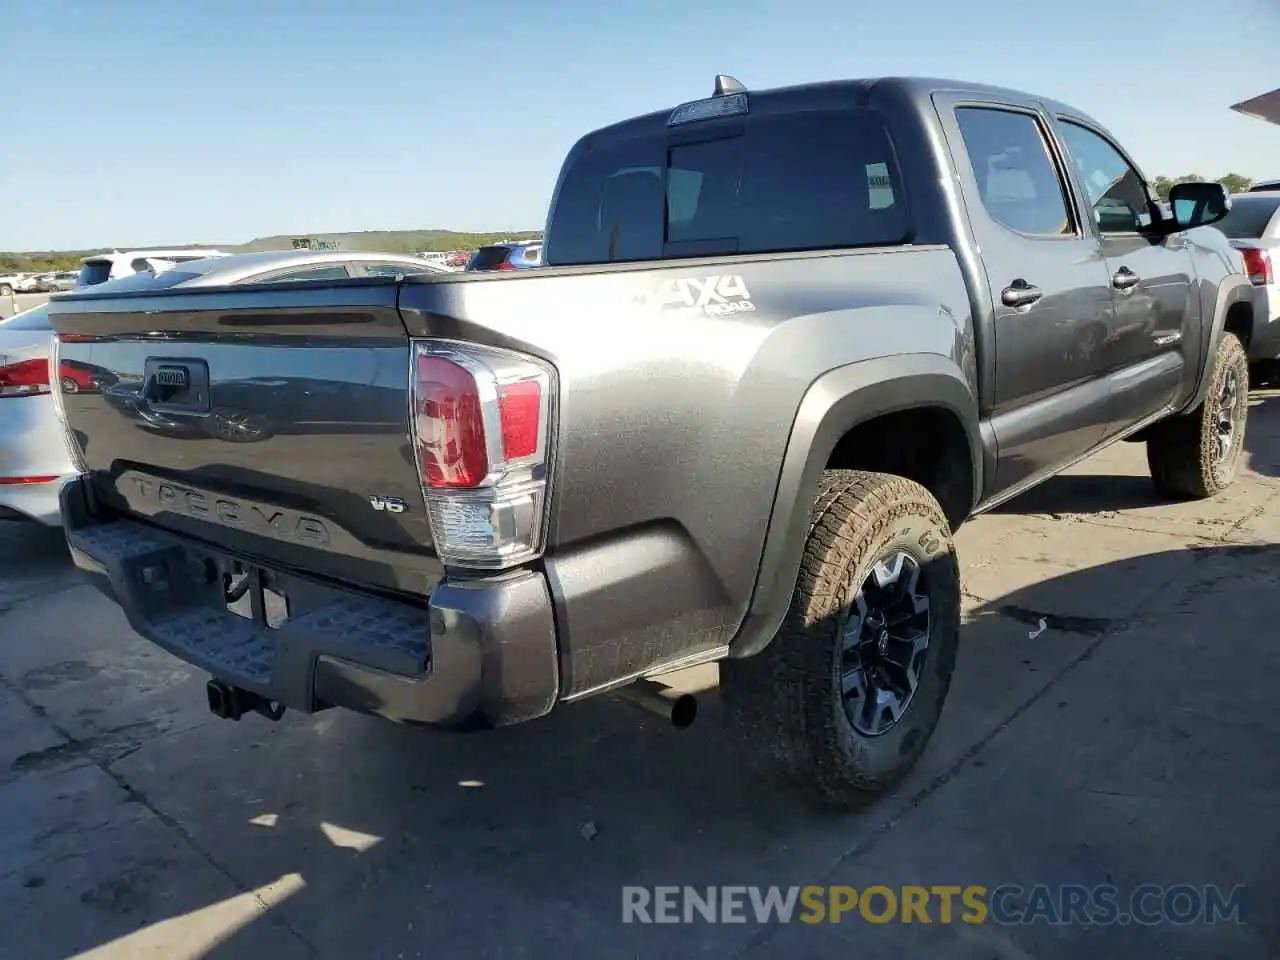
(1198, 204)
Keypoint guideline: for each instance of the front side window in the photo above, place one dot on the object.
(1117, 193)
(1017, 179)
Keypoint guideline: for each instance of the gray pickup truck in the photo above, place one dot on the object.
(785, 343)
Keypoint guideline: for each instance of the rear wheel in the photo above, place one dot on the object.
(845, 698)
(239, 426)
(1196, 455)
(6, 290)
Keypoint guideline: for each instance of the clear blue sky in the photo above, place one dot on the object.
(154, 122)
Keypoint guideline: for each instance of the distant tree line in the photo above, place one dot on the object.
(1232, 181)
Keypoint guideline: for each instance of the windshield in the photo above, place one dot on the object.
(1248, 217)
(36, 318)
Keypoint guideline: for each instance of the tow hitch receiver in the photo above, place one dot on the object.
(232, 703)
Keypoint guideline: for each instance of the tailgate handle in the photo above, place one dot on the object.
(167, 379)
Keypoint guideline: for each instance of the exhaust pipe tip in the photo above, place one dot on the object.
(677, 708)
(222, 700)
(231, 703)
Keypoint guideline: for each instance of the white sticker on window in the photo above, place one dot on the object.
(879, 186)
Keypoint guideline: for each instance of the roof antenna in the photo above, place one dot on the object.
(726, 85)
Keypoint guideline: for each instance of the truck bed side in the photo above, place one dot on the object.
(680, 384)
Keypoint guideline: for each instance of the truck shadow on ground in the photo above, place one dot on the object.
(402, 841)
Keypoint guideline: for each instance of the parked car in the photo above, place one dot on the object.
(506, 256)
(110, 266)
(34, 455)
(1260, 186)
(1253, 227)
(786, 343)
(58, 282)
(11, 283)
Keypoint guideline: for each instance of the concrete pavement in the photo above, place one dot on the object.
(1130, 741)
(19, 302)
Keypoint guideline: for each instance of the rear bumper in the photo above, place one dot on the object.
(475, 653)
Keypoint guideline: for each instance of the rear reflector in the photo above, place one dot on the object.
(519, 409)
(482, 426)
(24, 378)
(1257, 263)
(22, 481)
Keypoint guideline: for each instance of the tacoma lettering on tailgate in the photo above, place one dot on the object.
(149, 496)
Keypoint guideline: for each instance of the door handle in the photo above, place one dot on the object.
(1020, 294)
(1125, 280)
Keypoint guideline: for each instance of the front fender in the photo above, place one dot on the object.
(1233, 288)
(835, 403)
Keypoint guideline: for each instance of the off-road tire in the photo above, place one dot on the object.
(785, 703)
(1182, 452)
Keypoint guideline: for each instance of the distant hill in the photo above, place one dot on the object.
(393, 241)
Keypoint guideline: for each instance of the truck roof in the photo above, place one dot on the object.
(840, 93)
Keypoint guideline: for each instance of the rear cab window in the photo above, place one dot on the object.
(1250, 218)
(812, 180)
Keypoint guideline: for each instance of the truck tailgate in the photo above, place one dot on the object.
(271, 421)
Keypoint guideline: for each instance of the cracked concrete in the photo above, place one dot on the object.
(1132, 741)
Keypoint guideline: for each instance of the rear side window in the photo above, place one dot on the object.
(1249, 217)
(805, 181)
(1017, 180)
(94, 272)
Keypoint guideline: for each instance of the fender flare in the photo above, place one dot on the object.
(835, 403)
(1234, 288)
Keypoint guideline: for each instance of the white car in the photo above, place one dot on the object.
(11, 283)
(1253, 227)
(111, 266)
(34, 456)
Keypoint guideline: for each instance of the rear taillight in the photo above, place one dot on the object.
(1257, 264)
(505, 265)
(24, 378)
(482, 425)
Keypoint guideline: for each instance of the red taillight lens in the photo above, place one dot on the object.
(482, 429)
(505, 265)
(25, 378)
(451, 432)
(520, 411)
(1257, 263)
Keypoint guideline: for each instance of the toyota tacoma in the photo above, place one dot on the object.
(783, 344)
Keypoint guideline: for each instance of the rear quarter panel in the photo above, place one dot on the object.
(676, 405)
